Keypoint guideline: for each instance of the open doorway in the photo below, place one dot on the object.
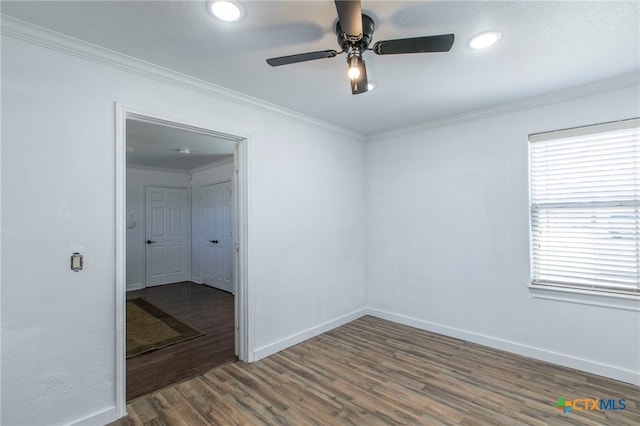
(181, 207)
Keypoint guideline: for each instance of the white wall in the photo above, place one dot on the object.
(448, 239)
(306, 204)
(215, 174)
(137, 180)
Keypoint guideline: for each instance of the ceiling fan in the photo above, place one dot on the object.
(355, 31)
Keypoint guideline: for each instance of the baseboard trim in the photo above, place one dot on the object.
(196, 280)
(564, 360)
(100, 418)
(294, 339)
(610, 371)
(135, 286)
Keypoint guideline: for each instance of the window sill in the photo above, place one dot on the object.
(586, 297)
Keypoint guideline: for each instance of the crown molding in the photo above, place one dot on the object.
(617, 83)
(30, 33)
(213, 165)
(208, 166)
(157, 169)
(34, 34)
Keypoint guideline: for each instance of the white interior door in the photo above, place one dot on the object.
(167, 235)
(217, 237)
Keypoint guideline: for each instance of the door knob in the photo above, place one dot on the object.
(150, 242)
(213, 241)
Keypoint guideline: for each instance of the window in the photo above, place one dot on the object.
(585, 198)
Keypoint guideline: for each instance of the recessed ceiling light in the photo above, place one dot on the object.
(370, 86)
(484, 40)
(226, 10)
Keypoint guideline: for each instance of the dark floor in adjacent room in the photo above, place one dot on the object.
(205, 308)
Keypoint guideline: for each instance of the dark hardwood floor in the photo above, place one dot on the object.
(205, 308)
(375, 372)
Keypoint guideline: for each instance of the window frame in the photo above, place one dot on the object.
(580, 293)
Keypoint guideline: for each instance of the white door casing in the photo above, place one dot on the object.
(217, 237)
(167, 253)
(244, 317)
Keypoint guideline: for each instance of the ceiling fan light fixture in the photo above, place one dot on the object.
(485, 39)
(354, 67)
(226, 10)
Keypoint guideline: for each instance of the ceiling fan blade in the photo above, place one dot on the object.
(302, 57)
(350, 17)
(360, 84)
(438, 43)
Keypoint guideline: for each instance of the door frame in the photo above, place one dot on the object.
(243, 334)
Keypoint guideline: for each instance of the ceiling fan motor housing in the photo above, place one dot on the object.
(368, 26)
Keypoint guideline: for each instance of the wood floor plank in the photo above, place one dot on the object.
(375, 372)
(230, 413)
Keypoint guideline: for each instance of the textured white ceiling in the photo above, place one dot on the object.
(546, 47)
(156, 145)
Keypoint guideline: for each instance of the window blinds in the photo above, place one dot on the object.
(585, 191)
